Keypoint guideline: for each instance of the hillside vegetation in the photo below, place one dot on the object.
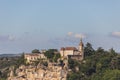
(97, 65)
(6, 63)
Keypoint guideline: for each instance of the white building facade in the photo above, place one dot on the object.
(73, 52)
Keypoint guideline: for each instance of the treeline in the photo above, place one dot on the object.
(98, 65)
(5, 64)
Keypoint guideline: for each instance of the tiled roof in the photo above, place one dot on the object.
(62, 48)
(32, 54)
(68, 48)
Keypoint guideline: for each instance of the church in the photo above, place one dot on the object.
(73, 52)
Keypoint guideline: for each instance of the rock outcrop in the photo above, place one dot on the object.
(53, 72)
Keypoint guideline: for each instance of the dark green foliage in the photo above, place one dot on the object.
(112, 51)
(115, 62)
(111, 75)
(21, 60)
(56, 57)
(40, 61)
(45, 63)
(100, 50)
(61, 63)
(72, 63)
(5, 64)
(52, 55)
(35, 51)
(88, 50)
(74, 76)
(97, 65)
(2, 78)
(16, 62)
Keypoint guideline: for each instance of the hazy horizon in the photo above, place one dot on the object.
(42, 24)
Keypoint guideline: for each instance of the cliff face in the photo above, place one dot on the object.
(39, 72)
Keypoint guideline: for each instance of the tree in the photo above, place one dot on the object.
(56, 57)
(21, 61)
(88, 50)
(49, 53)
(111, 75)
(52, 55)
(74, 76)
(35, 51)
(100, 50)
(112, 52)
(115, 62)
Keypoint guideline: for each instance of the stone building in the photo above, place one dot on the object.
(73, 52)
(30, 57)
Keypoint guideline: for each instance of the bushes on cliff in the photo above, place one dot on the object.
(52, 55)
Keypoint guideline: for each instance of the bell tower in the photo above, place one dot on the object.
(81, 49)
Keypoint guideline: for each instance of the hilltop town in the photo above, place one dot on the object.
(39, 67)
(68, 63)
(59, 40)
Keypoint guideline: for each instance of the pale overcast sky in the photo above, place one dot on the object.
(42, 24)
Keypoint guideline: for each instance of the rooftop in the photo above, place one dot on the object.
(69, 48)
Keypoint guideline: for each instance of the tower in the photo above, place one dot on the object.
(81, 49)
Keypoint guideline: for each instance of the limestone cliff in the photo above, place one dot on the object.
(54, 71)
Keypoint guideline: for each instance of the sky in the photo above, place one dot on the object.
(43, 24)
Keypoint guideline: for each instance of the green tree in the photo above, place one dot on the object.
(111, 75)
(52, 54)
(115, 62)
(35, 51)
(88, 50)
(100, 50)
(49, 53)
(56, 57)
(74, 76)
(112, 52)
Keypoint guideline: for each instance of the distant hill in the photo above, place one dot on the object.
(9, 55)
